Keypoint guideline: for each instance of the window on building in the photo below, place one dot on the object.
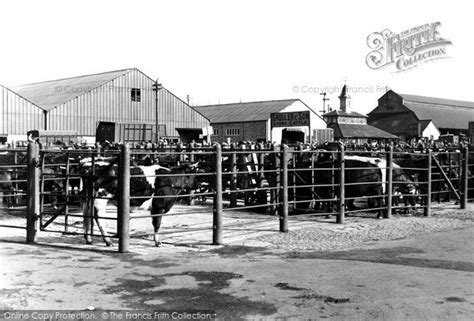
(413, 129)
(216, 132)
(136, 94)
(232, 131)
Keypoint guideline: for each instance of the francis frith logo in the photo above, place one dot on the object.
(407, 49)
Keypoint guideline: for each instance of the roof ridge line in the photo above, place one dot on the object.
(99, 73)
(435, 103)
(26, 99)
(249, 102)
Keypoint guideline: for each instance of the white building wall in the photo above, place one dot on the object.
(431, 132)
(316, 122)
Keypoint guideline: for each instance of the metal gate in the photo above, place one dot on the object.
(270, 177)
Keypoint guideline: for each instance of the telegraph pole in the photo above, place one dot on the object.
(156, 88)
(324, 102)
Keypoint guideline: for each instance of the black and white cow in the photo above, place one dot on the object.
(145, 182)
(364, 176)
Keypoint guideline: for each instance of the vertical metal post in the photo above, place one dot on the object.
(123, 208)
(284, 189)
(217, 211)
(66, 193)
(33, 207)
(389, 182)
(275, 179)
(341, 196)
(464, 179)
(313, 176)
(295, 161)
(244, 178)
(15, 175)
(233, 176)
(449, 175)
(427, 211)
(191, 153)
(182, 155)
(261, 193)
(41, 187)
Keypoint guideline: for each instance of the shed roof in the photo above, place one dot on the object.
(445, 113)
(344, 113)
(244, 112)
(437, 101)
(359, 131)
(52, 93)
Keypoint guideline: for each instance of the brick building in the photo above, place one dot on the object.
(261, 120)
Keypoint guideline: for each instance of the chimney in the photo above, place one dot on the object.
(343, 99)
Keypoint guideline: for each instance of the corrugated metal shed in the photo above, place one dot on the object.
(78, 103)
(243, 112)
(443, 116)
(50, 94)
(19, 115)
(437, 101)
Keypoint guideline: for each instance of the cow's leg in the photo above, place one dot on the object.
(54, 198)
(8, 196)
(190, 198)
(87, 215)
(100, 208)
(8, 190)
(379, 202)
(350, 205)
(156, 220)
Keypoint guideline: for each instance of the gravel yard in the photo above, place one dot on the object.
(306, 233)
(364, 229)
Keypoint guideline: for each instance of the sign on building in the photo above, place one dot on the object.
(292, 119)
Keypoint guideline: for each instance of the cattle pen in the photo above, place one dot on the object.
(271, 179)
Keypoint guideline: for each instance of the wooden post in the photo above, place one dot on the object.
(217, 211)
(33, 204)
(123, 208)
(284, 189)
(465, 178)
(389, 183)
(233, 176)
(341, 196)
(427, 211)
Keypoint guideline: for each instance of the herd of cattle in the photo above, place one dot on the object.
(156, 188)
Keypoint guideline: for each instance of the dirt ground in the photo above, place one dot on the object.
(404, 268)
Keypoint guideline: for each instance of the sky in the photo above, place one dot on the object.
(231, 51)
